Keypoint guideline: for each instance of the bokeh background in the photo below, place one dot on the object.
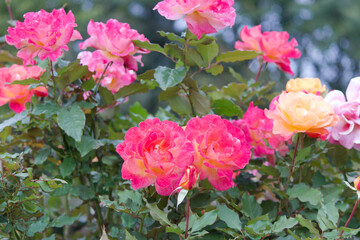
(328, 33)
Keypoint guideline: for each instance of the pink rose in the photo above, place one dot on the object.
(274, 46)
(17, 95)
(220, 149)
(113, 41)
(43, 34)
(189, 179)
(201, 16)
(258, 127)
(115, 77)
(347, 131)
(155, 152)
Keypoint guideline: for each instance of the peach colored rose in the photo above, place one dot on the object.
(220, 149)
(357, 183)
(201, 16)
(274, 47)
(18, 95)
(155, 153)
(258, 127)
(308, 85)
(189, 179)
(43, 34)
(295, 112)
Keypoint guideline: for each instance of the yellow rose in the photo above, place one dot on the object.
(294, 112)
(308, 85)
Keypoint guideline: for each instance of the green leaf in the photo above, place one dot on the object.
(42, 155)
(236, 56)
(12, 121)
(83, 192)
(30, 206)
(179, 105)
(62, 221)
(215, 69)
(234, 90)
(72, 122)
(193, 58)
(70, 74)
(138, 113)
(128, 236)
(237, 76)
(226, 107)
(283, 223)
(250, 207)
(149, 46)
(328, 216)
(209, 51)
(48, 108)
(230, 217)
(88, 84)
(45, 186)
(52, 237)
(131, 90)
(172, 36)
(26, 82)
(173, 50)
(208, 218)
(200, 102)
(67, 166)
(305, 194)
(308, 224)
(106, 95)
(168, 77)
(87, 144)
(302, 154)
(38, 226)
(348, 232)
(158, 214)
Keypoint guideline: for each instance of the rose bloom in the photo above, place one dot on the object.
(116, 76)
(113, 41)
(347, 131)
(295, 112)
(43, 34)
(274, 46)
(308, 85)
(201, 16)
(220, 149)
(258, 127)
(189, 179)
(357, 183)
(155, 153)
(17, 95)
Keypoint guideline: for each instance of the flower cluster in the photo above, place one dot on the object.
(18, 95)
(273, 46)
(160, 153)
(201, 16)
(43, 34)
(113, 44)
(258, 127)
(347, 131)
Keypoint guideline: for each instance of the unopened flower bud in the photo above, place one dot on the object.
(189, 179)
(357, 183)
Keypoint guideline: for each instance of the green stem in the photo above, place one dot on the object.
(352, 213)
(258, 73)
(99, 217)
(293, 162)
(102, 76)
(187, 216)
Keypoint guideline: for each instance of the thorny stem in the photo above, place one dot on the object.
(102, 76)
(258, 73)
(352, 213)
(293, 162)
(9, 9)
(187, 216)
(190, 101)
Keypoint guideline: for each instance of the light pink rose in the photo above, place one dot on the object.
(201, 16)
(18, 95)
(274, 46)
(113, 41)
(258, 127)
(116, 75)
(220, 149)
(155, 153)
(347, 131)
(43, 34)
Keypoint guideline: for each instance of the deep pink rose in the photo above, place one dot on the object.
(201, 16)
(258, 127)
(113, 41)
(155, 152)
(347, 131)
(116, 75)
(220, 149)
(274, 46)
(43, 34)
(17, 95)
